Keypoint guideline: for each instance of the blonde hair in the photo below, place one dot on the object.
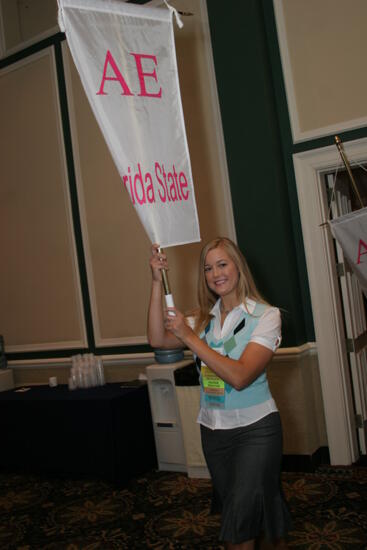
(246, 287)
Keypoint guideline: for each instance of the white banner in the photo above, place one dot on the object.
(125, 56)
(350, 231)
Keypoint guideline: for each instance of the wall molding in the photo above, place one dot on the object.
(297, 133)
(147, 358)
(5, 51)
(326, 306)
(81, 340)
(295, 353)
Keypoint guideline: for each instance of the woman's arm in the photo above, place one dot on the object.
(158, 336)
(238, 373)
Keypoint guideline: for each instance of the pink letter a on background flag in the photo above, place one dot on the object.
(350, 231)
(126, 59)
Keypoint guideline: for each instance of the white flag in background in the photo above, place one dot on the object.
(125, 56)
(350, 231)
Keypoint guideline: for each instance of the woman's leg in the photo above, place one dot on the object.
(217, 463)
(245, 468)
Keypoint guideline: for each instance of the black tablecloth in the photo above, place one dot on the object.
(105, 431)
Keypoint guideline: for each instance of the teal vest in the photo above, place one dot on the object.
(232, 346)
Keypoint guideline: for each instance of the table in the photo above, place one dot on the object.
(105, 431)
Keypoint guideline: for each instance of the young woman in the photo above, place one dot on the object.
(233, 336)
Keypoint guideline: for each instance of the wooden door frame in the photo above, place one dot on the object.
(325, 297)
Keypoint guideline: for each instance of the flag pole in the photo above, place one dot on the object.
(167, 292)
(168, 355)
(339, 145)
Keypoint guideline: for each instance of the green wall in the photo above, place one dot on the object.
(257, 138)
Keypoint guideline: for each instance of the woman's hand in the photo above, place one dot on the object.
(175, 322)
(158, 261)
(158, 335)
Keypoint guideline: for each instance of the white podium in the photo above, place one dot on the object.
(166, 416)
(174, 412)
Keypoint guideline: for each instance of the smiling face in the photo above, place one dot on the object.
(221, 273)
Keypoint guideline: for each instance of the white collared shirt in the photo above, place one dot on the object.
(267, 333)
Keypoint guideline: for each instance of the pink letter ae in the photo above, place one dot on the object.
(110, 60)
(142, 75)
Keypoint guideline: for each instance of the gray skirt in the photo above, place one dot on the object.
(244, 464)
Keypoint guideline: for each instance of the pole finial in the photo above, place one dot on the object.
(339, 145)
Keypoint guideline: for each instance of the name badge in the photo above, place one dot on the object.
(213, 387)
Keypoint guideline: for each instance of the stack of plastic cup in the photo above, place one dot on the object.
(86, 371)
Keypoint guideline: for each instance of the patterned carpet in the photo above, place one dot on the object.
(164, 510)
